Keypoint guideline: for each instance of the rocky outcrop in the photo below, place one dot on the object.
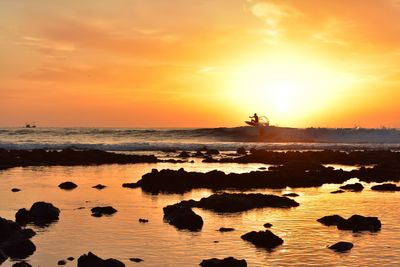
(100, 211)
(130, 185)
(357, 187)
(265, 239)
(91, 260)
(227, 262)
(386, 187)
(357, 223)
(341, 246)
(331, 220)
(183, 217)
(41, 213)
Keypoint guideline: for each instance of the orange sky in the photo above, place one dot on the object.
(200, 63)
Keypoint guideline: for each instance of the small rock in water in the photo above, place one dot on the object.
(143, 220)
(61, 262)
(241, 151)
(91, 260)
(226, 229)
(130, 185)
(227, 262)
(107, 210)
(290, 195)
(331, 220)
(184, 154)
(386, 187)
(267, 225)
(15, 190)
(265, 239)
(337, 191)
(341, 246)
(22, 264)
(262, 168)
(41, 213)
(358, 223)
(70, 258)
(67, 185)
(99, 186)
(136, 259)
(212, 152)
(357, 187)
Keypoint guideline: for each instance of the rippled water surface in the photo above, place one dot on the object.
(121, 236)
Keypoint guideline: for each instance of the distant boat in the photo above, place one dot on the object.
(30, 125)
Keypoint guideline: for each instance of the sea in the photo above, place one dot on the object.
(122, 237)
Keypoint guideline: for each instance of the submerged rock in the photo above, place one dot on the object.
(337, 191)
(341, 246)
(264, 239)
(267, 225)
(41, 213)
(91, 260)
(358, 223)
(290, 195)
(67, 185)
(226, 229)
(227, 262)
(61, 262)
(386, 187)
(357, 187)
(141, 220)
(15, 190)
(130, 185)
(136, 259)
(331, 220)
(183, 217)
(99, 211)
(99, 186)
(241, 151)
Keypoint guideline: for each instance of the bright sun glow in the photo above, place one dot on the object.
(287, 89)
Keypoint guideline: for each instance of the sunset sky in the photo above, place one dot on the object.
(200, 63)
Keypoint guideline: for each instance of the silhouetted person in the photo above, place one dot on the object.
(254, 118)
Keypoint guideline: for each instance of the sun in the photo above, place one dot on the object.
(287, 89)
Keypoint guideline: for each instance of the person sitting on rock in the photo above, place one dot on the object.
(254, 118)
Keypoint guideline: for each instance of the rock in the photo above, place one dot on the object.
(227, 202)
(70, 258)
(264, 239)
(91, 260)
(262, 168)
(226, 229)
(290, 195)
(107, 210)
(67, 185)
(183, 217)
(61, 262)
(227, 262)
(358, 223)
(99, 186)
(97, 214)
(41, 213)
(212, 152)
(130, 185)
(136, 259)
(337, 192)
(199, 154)
(184, 154)
(357, 187)
(15, 190)
(22, 264)
(3, 256)
(267, 225)
(331, 220)
(386, 187)
(143, 220)
(241, 151)
(341, 246)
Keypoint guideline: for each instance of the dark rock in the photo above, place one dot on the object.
(3, 256)
(199, 154)
(386, 187)
(267, 225)
(22, 264)
(227, 202)
(337, 192)
(341, 246)
(61, 262)
(264, 239)
(290, 195)
(143, 220)
(357, 187)
(358, 223)
(91, 260)
(212, 152)
(184, 154)
(99, 186)
(136, 259)
(183, 217)
(241, 151)
(67, 185)
(107, 210)
(15, 190)
(130, 185)
(227, 262)
(41, 213)
(226, 229)
(331, 220)
(70, 258)
(97, 214)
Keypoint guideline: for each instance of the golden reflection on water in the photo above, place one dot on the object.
(121, 236)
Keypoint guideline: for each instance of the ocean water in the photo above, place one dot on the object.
(124, 139)
(121, 236)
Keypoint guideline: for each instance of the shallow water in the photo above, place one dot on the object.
(121, 236)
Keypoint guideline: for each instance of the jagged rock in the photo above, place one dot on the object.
(386, 187)
(183, 217)
(107, 210)
(265, 239)
(227, 262)
(341, 246)
(99, 186)
(331, 220)
(67, 185)
(358, 223)
(41, 213)
(357, 187)
(226, 229)
(91, 260)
